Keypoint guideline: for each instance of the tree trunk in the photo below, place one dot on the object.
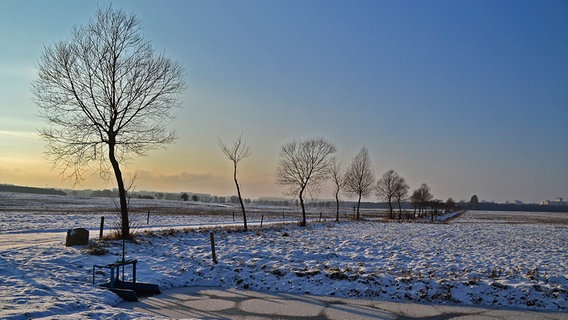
(124, 226)
(303, 223)
(240, 198)
(390, 209)
(337, 207)
(358, 206)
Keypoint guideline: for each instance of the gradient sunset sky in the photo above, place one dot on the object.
(470, 97)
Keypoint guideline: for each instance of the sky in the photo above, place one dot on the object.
(470, 97)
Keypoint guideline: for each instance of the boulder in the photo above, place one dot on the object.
(76, 237)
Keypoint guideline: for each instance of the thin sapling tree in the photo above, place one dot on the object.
(236, 153)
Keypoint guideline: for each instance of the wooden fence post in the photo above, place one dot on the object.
(102, 227)
(214, 255)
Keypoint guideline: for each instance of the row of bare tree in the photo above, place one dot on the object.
(305, 165)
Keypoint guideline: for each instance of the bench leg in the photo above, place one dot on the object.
(112, 278)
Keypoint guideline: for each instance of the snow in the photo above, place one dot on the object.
(470, 260)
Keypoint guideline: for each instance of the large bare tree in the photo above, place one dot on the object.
(304, 166)
(338, 179)
(237, 152)
(106, 95)
(359, 178)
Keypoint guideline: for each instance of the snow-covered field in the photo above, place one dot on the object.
(496, 259)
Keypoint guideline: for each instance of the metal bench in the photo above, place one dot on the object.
(114, 276)
(127, 290)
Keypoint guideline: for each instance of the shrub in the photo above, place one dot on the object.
(97, 248)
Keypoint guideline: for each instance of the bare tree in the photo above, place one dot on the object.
(421, 197)
(359, 178)
(415, 199)
(450, 205)
(435, 207)
(386, 188)
(105, 95)
(338, 179)
(392, 186)
(400, 193)
(237, 152)
(425, 195)
(473, 202)
(304, 166)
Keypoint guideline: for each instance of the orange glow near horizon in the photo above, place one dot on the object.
(149, 173)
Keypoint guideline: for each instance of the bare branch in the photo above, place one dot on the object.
(237, 151)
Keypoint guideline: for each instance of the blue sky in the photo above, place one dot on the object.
(470, 97)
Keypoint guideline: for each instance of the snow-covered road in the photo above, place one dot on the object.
(23, 240)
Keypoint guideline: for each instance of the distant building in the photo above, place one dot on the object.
(556, 202)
